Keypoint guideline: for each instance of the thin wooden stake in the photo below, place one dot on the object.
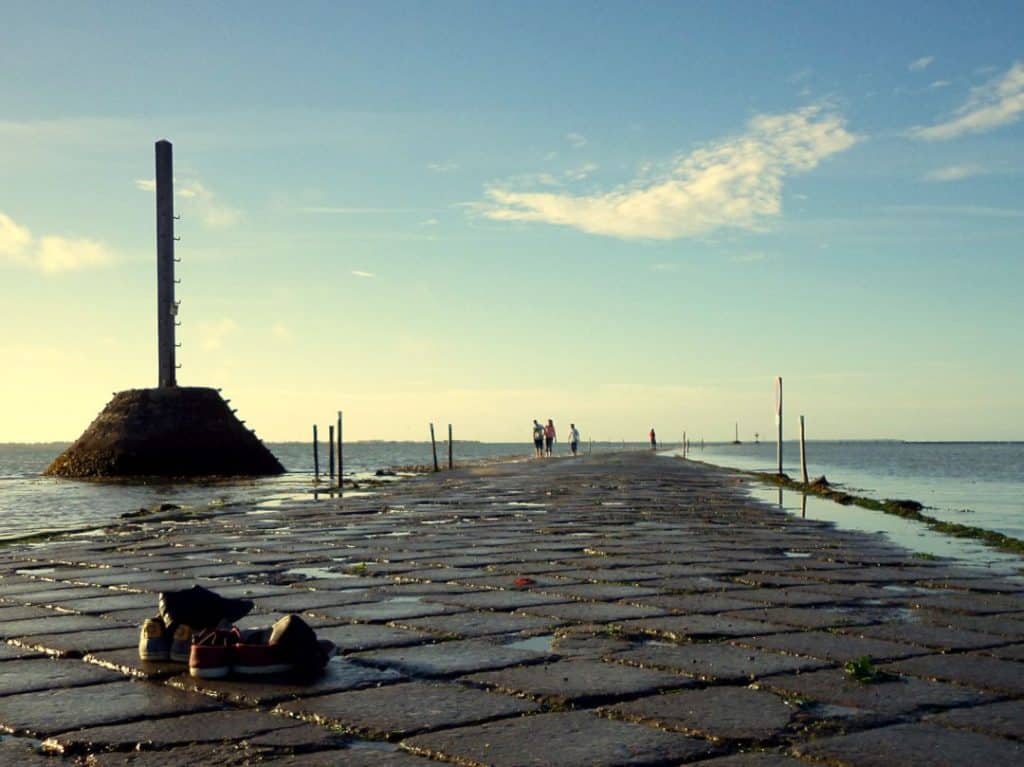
(451, 464)
(330, 442)
(778, 418)
(433, 447)
(803, 452)
(316, 456)
(341, 460)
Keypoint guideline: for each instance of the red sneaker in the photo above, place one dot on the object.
(255, 655)
(212, 654)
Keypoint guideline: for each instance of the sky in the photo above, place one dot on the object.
(617, 214)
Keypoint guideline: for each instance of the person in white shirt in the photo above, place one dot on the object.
(574, 438)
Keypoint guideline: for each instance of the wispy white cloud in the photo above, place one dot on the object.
(198, 200)
(212, 335)
(748, 258)
(998, 102)
(921, 64)
(941, 84)
(365, 275)
(353, 211)
(581, 172)
(577, 140)
(736, 182)
(442, 167)
(954, 172)
(49, 254)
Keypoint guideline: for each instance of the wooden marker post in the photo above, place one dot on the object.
(341, 460)
(451, 463)
(684, 444)
(778, 418)
(803, 452)
(433, 447)
(330, 442)
(316, 456)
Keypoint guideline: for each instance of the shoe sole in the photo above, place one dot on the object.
(151, 657)
(215, 672)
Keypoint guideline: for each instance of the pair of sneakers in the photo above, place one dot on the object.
(289, 646)
(158, 644)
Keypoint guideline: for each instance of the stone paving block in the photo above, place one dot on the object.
(47, 712)
(914, 745)
(688, 627)
(372, 756)
(312, 601)
(716, 662)
(401, 710)
(592, 612)
(301, 737)
(899, 696)
(186, 756)
(339, 676)
(78, 643)
(699, 603)
(599, 591)
(498, 600)
(1006, 625)
(97, 605)
(13, 652)
(613, 575)
(578, 682)
(755, 759)
(20, 752)
(935, 637)
(979, 671)
(791, 597)
(573, 739)
(821, 617)
(167, 732)
(829, 645)
(396, 608)
(464, 656)
(971, 603)
(352, 637)
(1007, 652)
(57, 624)
(728, 713)
(1004, 719)
(58, 593)
(473, 624)
(126, 661)
(45, 673)
(24, 612)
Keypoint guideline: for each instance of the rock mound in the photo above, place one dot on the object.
(166, 432)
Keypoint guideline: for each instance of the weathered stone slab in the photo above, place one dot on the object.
(78, 643)
(473, 624)
(832, 646)
(580, 682)
(208, 727)
(390, 610)
(401, 710)
(1009, 652)
(914, 745)
(599, 591)
(20, 752)
(48, 712)
(12, 652)
(1005, 719)
(688, 627)
(313, 601)
(57, 624)
(821, 617)
(339, 676)
(574, 739)
(978, 671)
(972, 603)
(186, 756)
(902, 695)
(498, 600)
(46, 673)
(352, 637)
(935, 637)
(592, 612)
(716, 662)
(110, 602)
(24, 612)
(464, 656)
(755, 759)
(699, 603)
(730, 713)
(126, 660)
(371, 756)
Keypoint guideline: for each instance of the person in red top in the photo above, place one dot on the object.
(654, 440)
(549, 436)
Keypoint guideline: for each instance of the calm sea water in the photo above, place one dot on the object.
(31, 503)
(972, 483)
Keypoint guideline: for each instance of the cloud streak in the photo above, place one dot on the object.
(734, 183)
(996, 103)
(198, 200)
(954, 172)
(48, 254)
(921, 64)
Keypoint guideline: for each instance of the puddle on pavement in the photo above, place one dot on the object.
(370, 745)
(405, 599)
(796, 554)
(36, 571)
(317, 572)
(540, 643)
(527, 504)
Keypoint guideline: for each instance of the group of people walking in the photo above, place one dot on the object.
(544, 437)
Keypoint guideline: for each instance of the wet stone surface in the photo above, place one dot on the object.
(576, 739)
(403, 709)
(733, 713)
(578, 681)
(1005, 719)
(716, 662)
(46, 673)
(449, 658)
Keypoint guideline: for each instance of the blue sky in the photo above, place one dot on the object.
(618, 214)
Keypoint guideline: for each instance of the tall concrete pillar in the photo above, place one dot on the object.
(167, 309)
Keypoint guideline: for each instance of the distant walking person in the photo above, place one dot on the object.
(549, 437)
(574, 438)
(538, 439)
(654, 440)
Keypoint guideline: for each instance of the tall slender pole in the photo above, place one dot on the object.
(803, 452)
(316, 456)
(330, 443)
(684, 444)
(451, 464)
(166, 308)
(433, 447)
(778, 417)
(341, 460)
